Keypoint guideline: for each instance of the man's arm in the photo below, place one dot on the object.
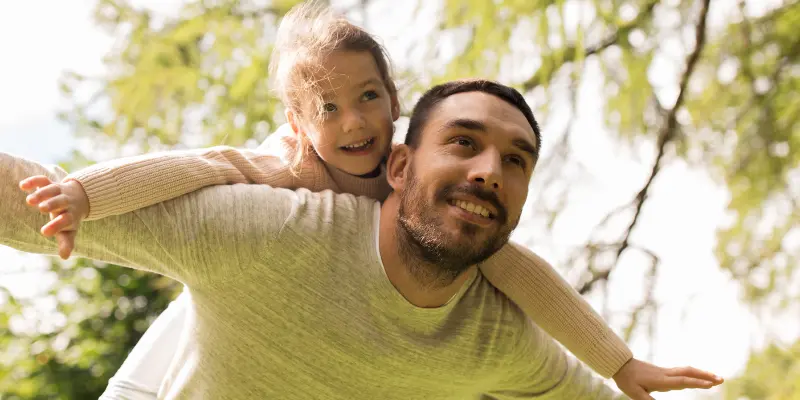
(202, 237)
(540, 369)
(19, 223)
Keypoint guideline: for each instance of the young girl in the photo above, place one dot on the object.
(341, 102)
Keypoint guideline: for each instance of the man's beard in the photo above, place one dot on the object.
(436, 259)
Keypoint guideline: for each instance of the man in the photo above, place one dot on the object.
(299, 295)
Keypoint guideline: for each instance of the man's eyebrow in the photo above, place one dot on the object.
(474, 125)
(527, 147)
(464, 123)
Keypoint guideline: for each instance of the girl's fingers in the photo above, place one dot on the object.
(694, 373)
(33, 182)
(54, 205)
(683, 382)
(66, 243)
(43, 194)
(59, 223)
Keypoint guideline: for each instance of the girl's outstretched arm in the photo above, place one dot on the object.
(546, 298)
(119, 186)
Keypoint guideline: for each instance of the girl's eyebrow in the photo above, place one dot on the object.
(326, 96)
(370, 81)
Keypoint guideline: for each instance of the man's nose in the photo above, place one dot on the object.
(487, 170)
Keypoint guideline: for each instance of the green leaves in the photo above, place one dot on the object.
(745, 119)
(771, 374)
(203, 76)
(98, 325)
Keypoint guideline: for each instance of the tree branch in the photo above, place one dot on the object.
(571, 53)
(647, 303)
(665, 136)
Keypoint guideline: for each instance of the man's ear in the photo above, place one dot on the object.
(397, 166)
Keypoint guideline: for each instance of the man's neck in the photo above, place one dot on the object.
(401, 270)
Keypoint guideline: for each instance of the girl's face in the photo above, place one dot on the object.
(355, 132)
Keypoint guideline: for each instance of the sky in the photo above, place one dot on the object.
(702, 321)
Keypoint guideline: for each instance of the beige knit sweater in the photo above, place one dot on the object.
(290, 300)
(127, 184)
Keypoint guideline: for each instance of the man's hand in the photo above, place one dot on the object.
(67, 204)
(638, 378)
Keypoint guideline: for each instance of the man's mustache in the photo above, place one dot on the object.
(479, 192)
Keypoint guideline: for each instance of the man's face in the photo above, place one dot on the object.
(467, 180)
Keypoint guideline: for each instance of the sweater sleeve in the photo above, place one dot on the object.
(538, 368)
(546, 298)
(171, 238)
(119, 186)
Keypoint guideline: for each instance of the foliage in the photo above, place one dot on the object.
(772, 374)
(745, 119)
(78, 333)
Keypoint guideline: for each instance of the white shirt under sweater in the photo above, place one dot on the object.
(147, 364)
(290, 301)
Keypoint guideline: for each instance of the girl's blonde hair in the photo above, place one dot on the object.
(307, 34)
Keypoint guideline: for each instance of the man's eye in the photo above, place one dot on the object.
(370, 95)
(329, 107)
(517, 160)
(464, 142)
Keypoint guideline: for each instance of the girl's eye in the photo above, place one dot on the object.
(329, 107)
(370, 95)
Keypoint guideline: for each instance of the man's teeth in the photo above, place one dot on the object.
(473, 208)
(359, 144)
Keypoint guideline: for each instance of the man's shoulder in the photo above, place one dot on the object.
(284, 226)
(277, 205)
(329, 206)
(316, 213)
(325, 198)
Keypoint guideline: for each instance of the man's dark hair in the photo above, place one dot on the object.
(431, 98)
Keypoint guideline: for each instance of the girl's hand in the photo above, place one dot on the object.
(67, 204)
(638, 378)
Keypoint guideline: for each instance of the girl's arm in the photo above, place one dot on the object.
(119, 186)
(170, 239)
(556, 307)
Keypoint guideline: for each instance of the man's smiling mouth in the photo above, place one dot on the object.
(472, 208)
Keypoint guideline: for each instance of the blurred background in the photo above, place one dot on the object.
(667, 193)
